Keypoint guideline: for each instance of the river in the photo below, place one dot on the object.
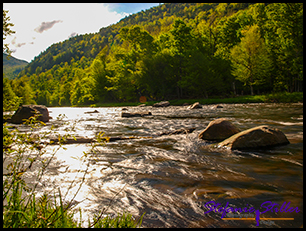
(172, 177)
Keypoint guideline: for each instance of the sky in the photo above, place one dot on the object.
(39, 25)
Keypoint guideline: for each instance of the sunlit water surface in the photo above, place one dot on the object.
(171, 178)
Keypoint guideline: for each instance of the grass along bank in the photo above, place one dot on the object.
(269, 98)
(283, 97)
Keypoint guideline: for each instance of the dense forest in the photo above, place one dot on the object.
(171, 51)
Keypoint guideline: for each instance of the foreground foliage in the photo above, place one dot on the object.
(22, 208)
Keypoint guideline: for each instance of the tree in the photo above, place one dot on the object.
(157, 76)
(22, 89)
(43, 97)
(284, 38)
(182, 39)
(64, 93)
(122, 80)
(251, 63)
(98, 73)
(182, 44)
(81, 90)
(125, 63)
(6, 31)
(10, 100)
(140, 40)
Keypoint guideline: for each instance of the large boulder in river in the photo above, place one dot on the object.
(258, 137)
(26, 111)
(136, 114)
(162, 104)
(218, 129)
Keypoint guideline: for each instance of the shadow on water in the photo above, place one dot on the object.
(171, 178)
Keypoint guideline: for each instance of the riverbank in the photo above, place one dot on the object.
(294, 97)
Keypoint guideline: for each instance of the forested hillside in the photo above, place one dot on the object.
(172, 51)
(12, 66)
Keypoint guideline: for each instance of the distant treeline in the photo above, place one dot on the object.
(172, 51)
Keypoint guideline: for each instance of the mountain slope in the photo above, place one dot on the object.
(12, 66)
(153, 20)
(173, 51)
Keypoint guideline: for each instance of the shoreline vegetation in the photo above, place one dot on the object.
(284, 97)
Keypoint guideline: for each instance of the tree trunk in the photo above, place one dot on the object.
(251, 81)
(234, 88)
(178, 92)
(252, 93)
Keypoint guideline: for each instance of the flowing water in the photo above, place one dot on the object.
(172, 177)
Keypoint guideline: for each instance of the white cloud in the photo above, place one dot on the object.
(46, 26)
(39, 25)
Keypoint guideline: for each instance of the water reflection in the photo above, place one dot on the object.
(172, 177)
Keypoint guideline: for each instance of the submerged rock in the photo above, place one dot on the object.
(135, 114)
(162, 104)
(218, 129)
(258, 137)
(177, 132)
(89, 112)
(216, 106)
(24, 112)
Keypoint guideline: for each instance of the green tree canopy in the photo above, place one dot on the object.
(251, 63)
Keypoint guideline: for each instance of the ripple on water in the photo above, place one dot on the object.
(172, 177)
